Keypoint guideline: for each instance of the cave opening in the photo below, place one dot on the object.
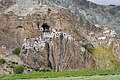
(19, 27)
(45, 27)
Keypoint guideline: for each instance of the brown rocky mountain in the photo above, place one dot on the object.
(61, 43)
(53, 36)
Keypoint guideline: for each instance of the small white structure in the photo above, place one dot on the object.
(101, 38)
(97, 25)
(57, 34)
(112, 33)
(82, 49)
(41, 29)
(35, 46)
(26, 46)
(3, 47)
(53, 30)
(24, 40)
(106, 32)
(64, 35)
(69, 38)
(46, 34)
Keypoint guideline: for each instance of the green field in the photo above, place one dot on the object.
(67, 75)
(107, 77)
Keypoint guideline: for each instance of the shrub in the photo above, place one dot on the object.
(36, 69)
(116, 65)
(39, 69)
(89, 48)
(18, 69)
(11, 66)
(16, 51)
(2, 61)
(45, 70)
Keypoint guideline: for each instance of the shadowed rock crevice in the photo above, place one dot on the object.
(49, 64)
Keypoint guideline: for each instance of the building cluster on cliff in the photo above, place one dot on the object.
(48, 34)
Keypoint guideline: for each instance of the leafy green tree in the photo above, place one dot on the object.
(104, 58)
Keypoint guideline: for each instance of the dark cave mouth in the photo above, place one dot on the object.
(45, 27)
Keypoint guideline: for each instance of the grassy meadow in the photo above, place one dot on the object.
(65, 75)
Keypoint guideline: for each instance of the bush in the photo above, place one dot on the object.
(18, 69)
(2, 61)
(116, 65)
(16, 51)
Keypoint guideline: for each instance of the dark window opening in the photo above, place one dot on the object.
(45, 27)
(38, 25)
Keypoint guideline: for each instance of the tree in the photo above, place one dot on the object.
(104, 58)
(18, 69)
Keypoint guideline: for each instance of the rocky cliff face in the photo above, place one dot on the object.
(105, 15)
(4, 4)
(53, 36)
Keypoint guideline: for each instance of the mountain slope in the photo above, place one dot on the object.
(104, 15)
